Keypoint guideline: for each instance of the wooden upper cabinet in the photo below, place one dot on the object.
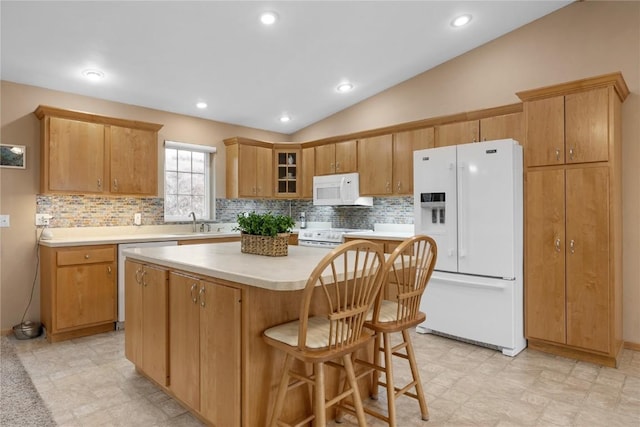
(73, 156)
(287, 172)
(386, 161)
(134, 161)
(308, 171)
(503, 127)
(457, 133)
(325, 158)
(249, 168)
(264, 172)
(574, 127)
(404, 144)
(376, 163)
(544, 131)
(346, 157)
(246, 178)
(339, 157)
(587, 126)
(85, 153)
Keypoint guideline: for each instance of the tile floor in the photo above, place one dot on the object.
(88, 382)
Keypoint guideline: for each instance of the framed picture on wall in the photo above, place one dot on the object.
(13, 156)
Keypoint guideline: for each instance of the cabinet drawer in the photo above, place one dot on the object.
(86, 256)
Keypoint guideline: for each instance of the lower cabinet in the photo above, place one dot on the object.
(570, 296)
(78, 290)
(205, 347)
(146, 327)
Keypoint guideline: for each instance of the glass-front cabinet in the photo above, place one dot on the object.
(287, 175)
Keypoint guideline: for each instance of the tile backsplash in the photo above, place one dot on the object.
(94, 211)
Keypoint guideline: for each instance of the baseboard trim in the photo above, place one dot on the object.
(632, 345)
(578, 354)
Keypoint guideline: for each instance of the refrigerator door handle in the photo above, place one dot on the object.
(462, 212)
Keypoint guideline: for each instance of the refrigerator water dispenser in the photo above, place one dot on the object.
(435, 204)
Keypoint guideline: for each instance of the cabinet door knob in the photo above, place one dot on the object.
(558, 154)
(571, 153)
(572, 246)
(109, 269)
(399, 185)
(115, 184)
(558, 244)
(332, 166)
(202, 299)
(86, 256)
(99, 184)
(139, 275)
(194, 296)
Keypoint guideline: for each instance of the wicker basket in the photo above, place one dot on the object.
(265, 245)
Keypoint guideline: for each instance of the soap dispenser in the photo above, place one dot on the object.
(303, 220)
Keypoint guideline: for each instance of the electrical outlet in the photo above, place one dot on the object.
(137, 219)
(43, 219)
(4, 221)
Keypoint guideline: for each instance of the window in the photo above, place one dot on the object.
(188, 181)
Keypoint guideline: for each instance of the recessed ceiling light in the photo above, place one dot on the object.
(285, 118)
(93, 75)
(268, 18)
(201, 105)
(461, 21)
(344, 87)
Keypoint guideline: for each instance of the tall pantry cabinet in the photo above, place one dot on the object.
(573, 217)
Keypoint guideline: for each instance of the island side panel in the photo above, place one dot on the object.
(263, 364)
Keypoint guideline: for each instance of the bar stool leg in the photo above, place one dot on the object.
(282, 392)
(375, 380)
(388, 367)
(357, 401)
(319, 410)
(424, 410)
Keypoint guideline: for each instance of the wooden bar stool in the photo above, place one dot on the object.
(349, 279)
(397, 309)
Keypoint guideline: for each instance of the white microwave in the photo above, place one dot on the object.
(339, 190)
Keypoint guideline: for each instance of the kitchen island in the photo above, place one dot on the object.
(195, 317)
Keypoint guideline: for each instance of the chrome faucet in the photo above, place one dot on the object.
(193, 215)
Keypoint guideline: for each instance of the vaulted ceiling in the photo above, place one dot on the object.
(169, 55)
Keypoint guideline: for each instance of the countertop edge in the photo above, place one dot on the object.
(192, 262)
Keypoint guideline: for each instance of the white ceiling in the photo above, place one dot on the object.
(168, 55)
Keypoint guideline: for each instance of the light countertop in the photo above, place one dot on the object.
(132, 238)
(225, 261)
(80, 236)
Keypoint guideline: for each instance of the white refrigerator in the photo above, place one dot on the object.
(469, 199)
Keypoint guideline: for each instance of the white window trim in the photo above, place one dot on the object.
(210, 185)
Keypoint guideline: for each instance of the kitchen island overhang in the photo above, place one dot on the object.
(225, 261)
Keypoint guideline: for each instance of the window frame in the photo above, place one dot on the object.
(210, 188)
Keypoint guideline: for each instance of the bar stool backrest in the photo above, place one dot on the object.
(349, 279)
(407, 272)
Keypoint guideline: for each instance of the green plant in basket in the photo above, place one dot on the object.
(266, 224)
